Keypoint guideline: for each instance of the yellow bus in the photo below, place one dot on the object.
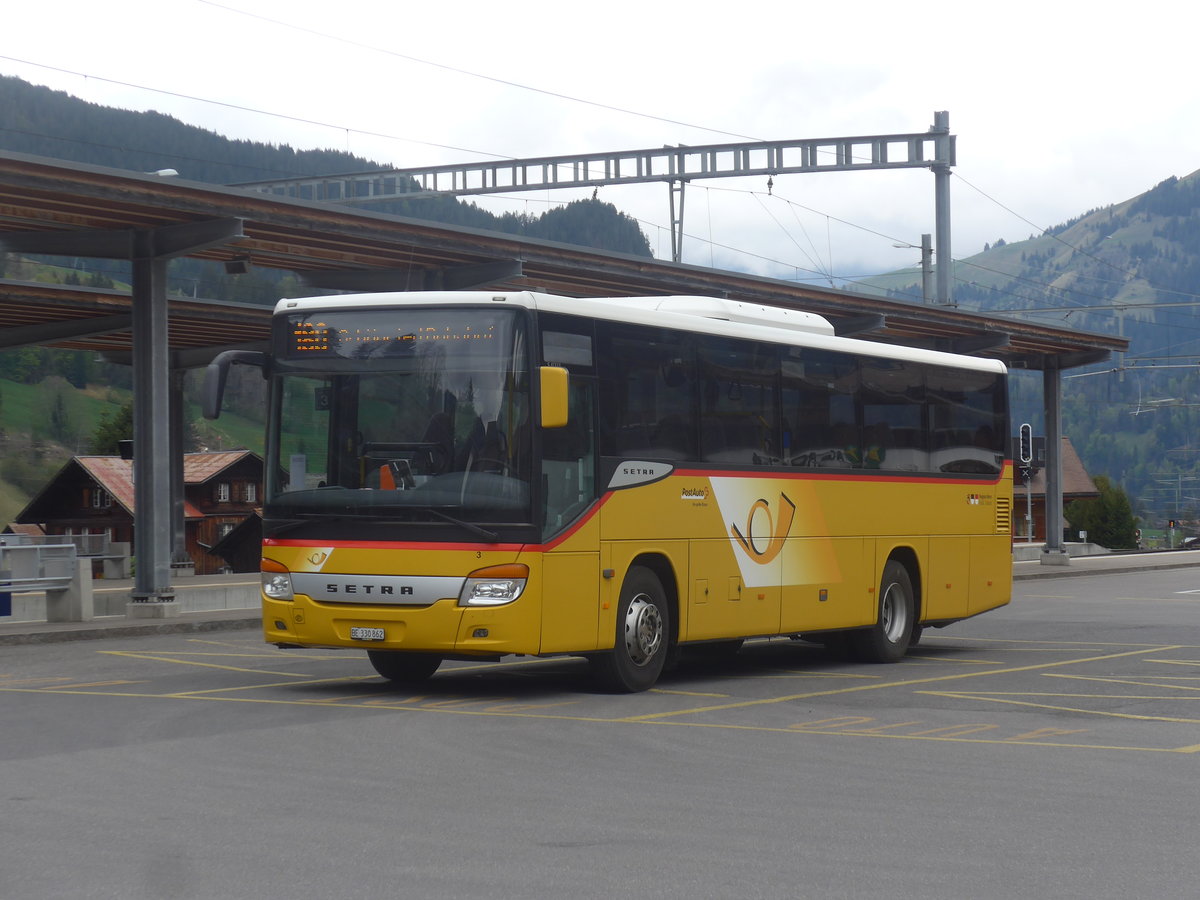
(474, 475)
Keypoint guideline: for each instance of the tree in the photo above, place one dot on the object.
(1107, 519)
(60, 419)
(113, 427)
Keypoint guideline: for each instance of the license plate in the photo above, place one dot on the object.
(358, 633)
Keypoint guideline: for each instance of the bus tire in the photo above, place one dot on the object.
(404, 668)
(643, 636)
(890, 637)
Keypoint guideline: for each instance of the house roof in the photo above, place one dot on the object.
(115, 475)
(1076, 482)
(24, 528)
(201, 467)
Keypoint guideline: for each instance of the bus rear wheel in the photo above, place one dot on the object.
(404, 668)
(643, 636)
(890, 637)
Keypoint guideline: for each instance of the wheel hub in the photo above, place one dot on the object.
(893, 613)
(643, 629)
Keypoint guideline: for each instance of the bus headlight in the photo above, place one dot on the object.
(276, 580)
(494, 586)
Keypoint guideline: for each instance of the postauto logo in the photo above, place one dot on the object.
(765, 530)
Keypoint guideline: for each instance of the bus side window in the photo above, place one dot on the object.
(964, 409)
(739, 414)
(650, 411)
(819, 388)
(893, 396)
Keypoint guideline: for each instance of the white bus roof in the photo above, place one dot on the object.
(708, 315)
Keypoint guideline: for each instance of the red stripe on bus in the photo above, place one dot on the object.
(830, 476)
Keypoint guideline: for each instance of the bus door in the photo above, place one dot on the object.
(571, 564)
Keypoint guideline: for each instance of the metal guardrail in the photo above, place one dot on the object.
(97, 545)
(29, 563)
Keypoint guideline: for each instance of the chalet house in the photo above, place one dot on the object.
(1077, 484)
(95, 495)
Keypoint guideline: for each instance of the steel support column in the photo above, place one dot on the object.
(151, 426)
(677, 189)
(941, 201)
(180, 561)
(1054, 553)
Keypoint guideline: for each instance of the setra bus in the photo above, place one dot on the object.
(473, 475)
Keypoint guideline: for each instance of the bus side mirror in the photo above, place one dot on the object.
(218, 371)
(554, 396)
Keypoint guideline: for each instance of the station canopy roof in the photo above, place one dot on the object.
(63, 209)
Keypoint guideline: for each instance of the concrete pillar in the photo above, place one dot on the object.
(74, 602)
(118, 565)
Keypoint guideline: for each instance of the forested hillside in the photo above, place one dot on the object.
(43, 122)
(1133, 269)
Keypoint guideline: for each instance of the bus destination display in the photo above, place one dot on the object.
(357, 337)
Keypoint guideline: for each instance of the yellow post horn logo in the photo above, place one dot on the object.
(778, 529)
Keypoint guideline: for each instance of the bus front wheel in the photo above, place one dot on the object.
(890, 637)
(404, 668)
(643, 635)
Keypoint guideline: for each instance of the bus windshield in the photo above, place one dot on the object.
(408, 415)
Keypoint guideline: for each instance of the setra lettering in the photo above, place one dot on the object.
(381, 589)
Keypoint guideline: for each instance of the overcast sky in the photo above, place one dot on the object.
(1059, 107)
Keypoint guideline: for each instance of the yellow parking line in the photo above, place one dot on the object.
(1088, 712)
(345, 679)
(71, 687)
(1108, 679)
(188, 662)
(1175, 662)
(743, 704)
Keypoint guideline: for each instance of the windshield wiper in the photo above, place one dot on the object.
(489, 536)
(303, 518)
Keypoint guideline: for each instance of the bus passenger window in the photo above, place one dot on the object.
(649, 412)
(818, 399)
(966, 411)
(739, 412)
(893, 395)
